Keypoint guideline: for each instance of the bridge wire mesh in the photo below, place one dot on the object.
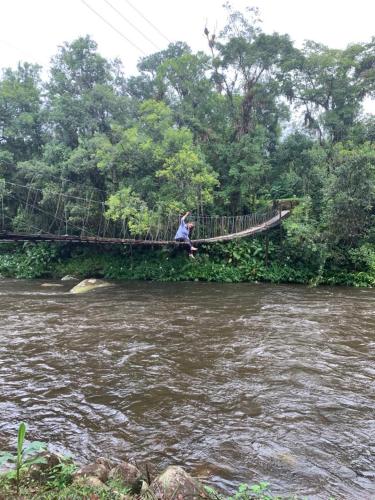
(85, 216)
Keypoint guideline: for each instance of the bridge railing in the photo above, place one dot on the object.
(30, 210)
(215, 226)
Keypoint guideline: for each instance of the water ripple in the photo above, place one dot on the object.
(244, 382)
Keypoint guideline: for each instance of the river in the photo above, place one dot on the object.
(236, 382)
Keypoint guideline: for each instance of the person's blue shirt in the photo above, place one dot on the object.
(182, 231)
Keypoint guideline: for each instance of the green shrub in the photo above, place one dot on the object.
(231, 262)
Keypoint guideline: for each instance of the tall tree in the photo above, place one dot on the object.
(349, 196)
(248, 66)
(329, 86)
(21, 114)
(81, 92)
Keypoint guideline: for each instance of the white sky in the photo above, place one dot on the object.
(31, 30)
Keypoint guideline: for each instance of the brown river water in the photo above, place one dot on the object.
(236, 382)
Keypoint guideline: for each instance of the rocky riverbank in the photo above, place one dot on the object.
(54, 477)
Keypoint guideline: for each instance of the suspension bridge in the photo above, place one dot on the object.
(31, 213)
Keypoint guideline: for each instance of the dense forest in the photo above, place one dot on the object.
(251, 120)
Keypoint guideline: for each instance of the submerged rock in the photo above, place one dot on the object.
(51, 284)
(287, 459)
(88, 285)
(174, 482)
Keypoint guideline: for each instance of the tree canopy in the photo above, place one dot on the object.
(223, 132)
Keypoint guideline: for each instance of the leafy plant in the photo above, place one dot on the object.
(212, 493)
(258, 490)
(245, 491)
(25, 456)
(61, 475)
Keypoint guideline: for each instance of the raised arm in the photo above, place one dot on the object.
(184, 216)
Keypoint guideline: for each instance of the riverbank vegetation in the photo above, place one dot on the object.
(262, 259)
(62, 487)
(224, 132)
(38, 474)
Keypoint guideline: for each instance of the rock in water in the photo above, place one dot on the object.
(68, 277)
(88, 285)
(178, 484)
(91, 482)
(128, 475)
(97, 470)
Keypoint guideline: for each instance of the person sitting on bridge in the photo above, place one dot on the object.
(182, 234)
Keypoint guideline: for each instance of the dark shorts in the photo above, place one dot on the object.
(185, 240)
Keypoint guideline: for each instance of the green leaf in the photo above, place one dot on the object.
(35, 460)
(242, 488)
(11, 474)
(34, 447)
(21, 438)
(7, 457)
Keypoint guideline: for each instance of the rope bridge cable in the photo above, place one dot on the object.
(64, 216)
(44, 218)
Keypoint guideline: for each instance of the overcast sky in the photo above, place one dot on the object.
(32, 30)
